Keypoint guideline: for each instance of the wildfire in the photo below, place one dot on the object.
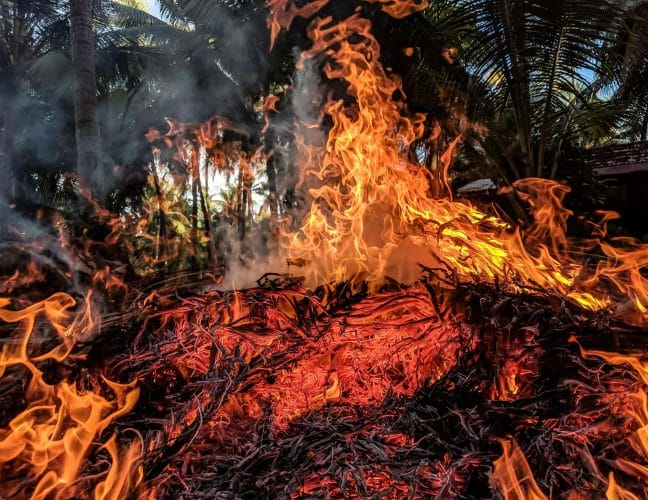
(230, 375)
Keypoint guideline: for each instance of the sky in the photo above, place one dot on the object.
(152, 7)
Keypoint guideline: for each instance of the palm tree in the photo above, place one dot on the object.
(537, 71)
(88, 140)
(30, 33)
(629, 72)
(36, 120)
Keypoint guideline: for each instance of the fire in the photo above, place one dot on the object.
(616, 492)
(401, 8)
(372, 210)
(637, 410)
(513, 476)
(259, 363)
(282, 13)
(124, 477)
(48, 441)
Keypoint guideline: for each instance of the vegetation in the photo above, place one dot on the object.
(528, 83)
(553, 76)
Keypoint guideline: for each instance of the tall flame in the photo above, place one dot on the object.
(372, 209)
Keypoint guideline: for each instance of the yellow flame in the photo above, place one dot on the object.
(372, 211)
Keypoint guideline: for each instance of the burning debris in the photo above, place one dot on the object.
(280, 391)
(416, 346)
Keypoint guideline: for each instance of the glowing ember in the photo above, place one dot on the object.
(391, 343)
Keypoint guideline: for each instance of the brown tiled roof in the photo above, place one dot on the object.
(620, 159)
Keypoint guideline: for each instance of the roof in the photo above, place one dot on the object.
(478, 186)
(621, 169)
(620, 159)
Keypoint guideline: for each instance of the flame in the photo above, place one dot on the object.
(124, 474)
(19, 279)
(513, 476)
(372, 209)
(283, 13)
(637, 411)
(401, 8)
(616, 492)
(49, 440)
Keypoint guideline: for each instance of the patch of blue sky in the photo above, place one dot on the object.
(153, 8)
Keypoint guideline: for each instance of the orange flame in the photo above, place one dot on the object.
(372, 211)
(49, 440)
(513, 476)
(283, 13)
(401, 8)
(124, 474)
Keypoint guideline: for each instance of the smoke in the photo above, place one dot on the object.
(244, 270)
(189, 76)
(37, 238)
(307, 100)
(309, 135)
(260, 252)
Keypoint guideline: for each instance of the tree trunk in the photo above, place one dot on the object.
(194, 223)
(206, 214)
(519, 85)
(242, 202)
(7, 188)
(161, 253)
(88, 140)
(273, 196)
(271, 172)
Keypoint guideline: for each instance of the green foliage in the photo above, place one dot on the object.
(544, 79)
(538, 72)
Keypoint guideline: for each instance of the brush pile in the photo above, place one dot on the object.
(279, 392)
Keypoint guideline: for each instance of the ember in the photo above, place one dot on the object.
(413, 345)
